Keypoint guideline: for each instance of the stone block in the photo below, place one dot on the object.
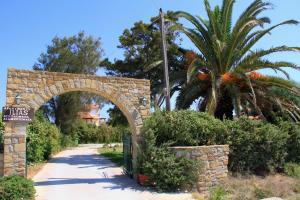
(20, 147)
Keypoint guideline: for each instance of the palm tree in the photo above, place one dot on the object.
(224, 75)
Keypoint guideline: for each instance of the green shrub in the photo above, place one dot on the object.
(90, 133)
(292, 169)
(256, 146)
(186, 128)
(69, 140)
(169, 173)
(16, 188)
(293, 142)
(218, 193)
(43, 139)
(262, 193)
(164, 169)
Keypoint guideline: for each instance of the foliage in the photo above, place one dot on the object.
(114, 154)
(293, 142)
(292, 169)
(223, 73)
(90, 133)
(168, 172)
(16, 188)
(218, 193)
(1, 133)
(75, 54)
(116, 117)
(143, 57)
(256, 146)
(69, 140)
(262, 193)
(164, 169)
(185, 128)
(43, 139)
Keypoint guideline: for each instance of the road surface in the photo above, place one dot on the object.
(81, 174)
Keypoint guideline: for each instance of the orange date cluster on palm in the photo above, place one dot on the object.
(190, 57)
(230, 78)
(203, 76)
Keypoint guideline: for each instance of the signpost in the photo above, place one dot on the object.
(17, 114)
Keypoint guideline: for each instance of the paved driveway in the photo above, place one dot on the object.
(81, 174)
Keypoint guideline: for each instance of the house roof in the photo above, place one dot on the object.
(87, 115)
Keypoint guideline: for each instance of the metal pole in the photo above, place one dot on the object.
(165, 59)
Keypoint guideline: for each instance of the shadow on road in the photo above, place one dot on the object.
(88, 160)
(116, 182)
(91, 161)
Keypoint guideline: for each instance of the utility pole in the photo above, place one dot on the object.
(165, 60)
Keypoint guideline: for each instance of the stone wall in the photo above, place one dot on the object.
(214, 159)
(37, 87)
(1, 164)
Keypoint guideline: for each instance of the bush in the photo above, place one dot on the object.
(169, 173)
(256, 146)
(43, 139)
(69, 140)
(164, 169)
(217, 193)
(292, 169)
(262, 193)
(185, 128)
(16, 188)
(293, 142)
(90, 133)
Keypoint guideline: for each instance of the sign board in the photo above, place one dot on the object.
(17, 114)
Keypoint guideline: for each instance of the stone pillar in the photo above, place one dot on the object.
(15, 149)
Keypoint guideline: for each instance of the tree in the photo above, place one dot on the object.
(75, 54)
(116, 117)
(143, 57)
(224, 72)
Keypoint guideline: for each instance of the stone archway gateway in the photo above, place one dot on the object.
(34, 88)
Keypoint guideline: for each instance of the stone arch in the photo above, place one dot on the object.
(131, 113)
(36, 88)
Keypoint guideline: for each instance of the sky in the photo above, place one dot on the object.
(27, 27)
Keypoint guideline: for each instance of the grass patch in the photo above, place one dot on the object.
(254, 187)
(114, 154)
(292, 169)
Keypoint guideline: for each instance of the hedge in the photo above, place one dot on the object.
(255, 146)
(90, 133)
(43, 139)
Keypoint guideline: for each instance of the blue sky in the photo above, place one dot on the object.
(27, 27)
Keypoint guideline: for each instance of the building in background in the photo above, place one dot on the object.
(91, 115)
